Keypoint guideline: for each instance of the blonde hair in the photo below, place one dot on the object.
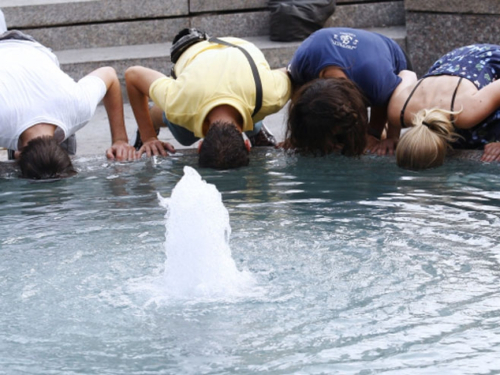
(425, 144)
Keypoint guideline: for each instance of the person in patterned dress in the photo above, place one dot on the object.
(456, 103)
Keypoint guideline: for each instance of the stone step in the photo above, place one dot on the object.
(79, 62)
(24, 14)
(366, 14)
(78, 24)
(138, 32)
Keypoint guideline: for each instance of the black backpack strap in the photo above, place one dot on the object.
(255, 72)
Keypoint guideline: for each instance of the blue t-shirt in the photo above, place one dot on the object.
(371, 60)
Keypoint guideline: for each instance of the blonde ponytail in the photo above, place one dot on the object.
(425, 144)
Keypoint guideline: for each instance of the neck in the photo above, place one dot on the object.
(38, 130)
(224, 113)
(332, 72)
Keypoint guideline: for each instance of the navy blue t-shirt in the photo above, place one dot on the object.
(371, 60)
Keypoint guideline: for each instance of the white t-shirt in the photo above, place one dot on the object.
(34, 90)
(3, 25)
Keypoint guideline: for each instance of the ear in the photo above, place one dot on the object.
(199, 146)
(248, 145)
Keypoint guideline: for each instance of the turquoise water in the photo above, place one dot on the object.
(360, 268)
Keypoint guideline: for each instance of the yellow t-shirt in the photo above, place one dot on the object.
(209, 75)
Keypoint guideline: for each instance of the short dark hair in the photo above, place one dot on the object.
(327, 113)
(43, 158)
(223, 147)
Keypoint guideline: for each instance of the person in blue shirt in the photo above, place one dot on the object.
(337, 73)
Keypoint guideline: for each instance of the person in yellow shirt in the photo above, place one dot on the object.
(212, 97)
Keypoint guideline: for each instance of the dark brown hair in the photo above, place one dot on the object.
(43, 158)
(327, 114)
(223, 147)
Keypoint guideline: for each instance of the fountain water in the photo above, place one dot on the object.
(363, 268)
(199, 262)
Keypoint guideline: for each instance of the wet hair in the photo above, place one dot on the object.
(223, 147)
(326, 114)
(425, 144)
(43, 158)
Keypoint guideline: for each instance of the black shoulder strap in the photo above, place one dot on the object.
(452, 107)
(402, 114)
(255, 72)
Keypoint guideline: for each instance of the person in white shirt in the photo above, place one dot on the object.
(3, 25)
(42, 106)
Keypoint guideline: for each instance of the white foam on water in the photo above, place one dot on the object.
(199, 262)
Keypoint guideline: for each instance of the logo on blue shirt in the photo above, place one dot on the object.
(345, 40)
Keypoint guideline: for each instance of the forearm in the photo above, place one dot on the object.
(114, 108)
(378, 120)
(139, 80)
(113, 102)
(393, 131)
(139, 103)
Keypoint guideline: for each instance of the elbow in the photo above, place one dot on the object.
(131, 73)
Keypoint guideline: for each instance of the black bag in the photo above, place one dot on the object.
(297, 19)
(185, 39)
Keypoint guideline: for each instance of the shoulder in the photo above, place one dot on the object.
(282, 82)
(400, 95)
(159, 87)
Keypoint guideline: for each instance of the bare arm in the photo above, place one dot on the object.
(408, 78)
(378, 120)
(388, 145)
(139, 80)
(479, 105)
(399, 96)
(113, 103)
(491, 152)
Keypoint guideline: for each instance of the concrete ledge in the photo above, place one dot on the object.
(234, 24)
(363, 1)
(34, 13)
(79, 62)
(109, 34)
(78, 24)
(138, 32)
(74, 61)
(455, 6)
(95, 137)
(368, 15)
(198, 6)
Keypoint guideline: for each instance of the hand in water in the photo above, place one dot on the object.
(156, 147)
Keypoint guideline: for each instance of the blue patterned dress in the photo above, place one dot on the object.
(480, 64)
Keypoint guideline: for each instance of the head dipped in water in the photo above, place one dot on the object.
(43, 158)
(223, 147)
(325, 115)
(426, 143)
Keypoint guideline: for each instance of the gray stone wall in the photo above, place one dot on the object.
(87, 34)
(435, 27)
(368, 14)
